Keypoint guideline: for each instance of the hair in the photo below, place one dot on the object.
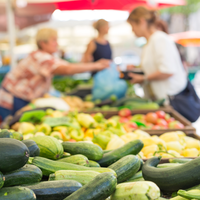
(44, 34)
(162, 25)
(141, 12)
(98, 24)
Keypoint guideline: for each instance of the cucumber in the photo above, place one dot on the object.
(13, 154)
(17, 193)
(101, 187)
(82, 177)
(91, 151)
(165, 165)
(126, 167)
(137, 177)
(76, 159)
(2, 179)
(192, 194)
(24, 175)
(179, 198)
(53, 166)
(180, 160)
(172, 178)
(54, 190)
(93, 164)
(32, 147)
(5, 133)
(133, 147)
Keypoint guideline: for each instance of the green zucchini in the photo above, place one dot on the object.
(106, 151)
(172, 178)
(76, 159)
(54, 190)
(126, 167)
(2, 179)
(180, 160)
(25, 175)
(165, 165)
(13, 154)
(192, 194)
(178, 198)
(82, 177)
(52, 166)
(101, 187)
(93, 164)
(137, 177)
(32, 147)
(5, 133)
(91, 151)
(133, 147)
(17, 193)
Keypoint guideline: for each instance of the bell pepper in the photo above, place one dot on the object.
(101, 139)
(191, 143)
(116, 131)
(86, 120)
(111, 123)
(63, 130)
(150, 149)
(26, 128)
(45, 128)
(169, 137)
(128, 137)
(98, 117)
(175, 145)
(193, 152)
(91, 132)
(115, 143)
(77, 135)
(141, 134)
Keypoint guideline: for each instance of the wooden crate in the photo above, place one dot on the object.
(188, 129)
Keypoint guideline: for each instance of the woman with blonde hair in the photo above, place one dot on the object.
(31, 78)
(98, 47)
(162, 66)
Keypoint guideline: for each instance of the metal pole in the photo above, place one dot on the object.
(11, 30)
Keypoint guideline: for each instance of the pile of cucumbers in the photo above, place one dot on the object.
(45, 169)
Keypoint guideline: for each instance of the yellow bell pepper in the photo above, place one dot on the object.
(26, 128)
(115, 143)
(175, 153)
(63, 130)
(169, 137)
(175, 145)
(57, 113)
(141, 134)
(150, 149)
(90, 132)
(193, 152)
(128, 137)
(45, 128)
(86, 120)
(191, 143)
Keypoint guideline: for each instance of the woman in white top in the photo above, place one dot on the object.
(160, 61)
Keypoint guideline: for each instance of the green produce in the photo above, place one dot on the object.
(98, 117)
(44, 128)
(77, 135)
(192, 194)
(5, 133)
(34, 116)
(82, 177)
(93, 164)
(13, 154)
(91, 151)
(102, 138)
(172, 178)
(76, 159)
(86, 120)
(180, 160)
(26, 128)
(101, 187)
(142, 190)
(49, 146)
(133, 147)
(17, 193)
(25, 175)
(32, 147)
(179, 198)
(2, 179)
(53, 166)
(54, 190)
(137, 177)
(126, 167)
(165, 165)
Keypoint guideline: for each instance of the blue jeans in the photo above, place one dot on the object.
(4, 112)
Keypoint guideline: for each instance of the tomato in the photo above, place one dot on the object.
(125, 112)
(156, 127)
(72, 140)
(161, 114)
(132, 125)
(176, 124)
(171, 119)
(123, 120)
(162, 122)
(149, 125)
(151, 118)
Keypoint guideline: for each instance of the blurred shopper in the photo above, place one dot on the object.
(31, 78)
(162, 26)
(162, 66)
(98, 47)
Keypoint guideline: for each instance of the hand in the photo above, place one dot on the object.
(130, 67)
(102, 64)
(136, 78)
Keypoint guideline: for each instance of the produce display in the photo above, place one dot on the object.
(84, 171)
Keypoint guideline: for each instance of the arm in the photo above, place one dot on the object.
(152, 77)
(72, 68)
(87, 57)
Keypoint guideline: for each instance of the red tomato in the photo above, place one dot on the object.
(162, 122)
(123, 120)
(176, 124)
(72, 140)
(125, 112)
(161, 114)
(151, 118)
(171, 119)
(156, 127)
(149, 125)
(132, 125)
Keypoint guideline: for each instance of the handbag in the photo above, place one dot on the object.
(187, 103)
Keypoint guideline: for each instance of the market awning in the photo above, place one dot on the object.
(189, 38)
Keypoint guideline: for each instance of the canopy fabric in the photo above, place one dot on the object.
(189, 38)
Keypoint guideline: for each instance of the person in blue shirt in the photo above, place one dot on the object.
(98, 47)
